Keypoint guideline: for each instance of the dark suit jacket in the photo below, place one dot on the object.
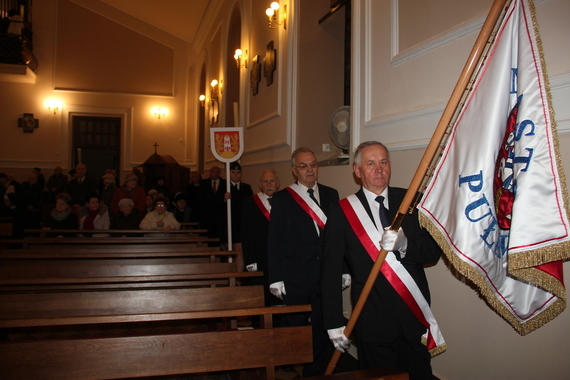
(295, 246)
(213, 215)
(194, 195)
(385, 315)
(238, 197)
(254, 231)
(80, 191)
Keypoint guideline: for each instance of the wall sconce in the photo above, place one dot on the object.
(241, 58)
(159, 113)
(202, 99)
(55, 107)
(274, 18)
(214, 108)
(214, 90)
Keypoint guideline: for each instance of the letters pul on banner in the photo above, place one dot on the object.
(496, 203)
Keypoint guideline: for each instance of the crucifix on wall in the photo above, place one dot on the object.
(269, 63)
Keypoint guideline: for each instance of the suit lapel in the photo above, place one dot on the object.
(364, 201)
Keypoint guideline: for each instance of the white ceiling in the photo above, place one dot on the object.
(181, 18)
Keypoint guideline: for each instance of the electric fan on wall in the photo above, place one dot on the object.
(339, 132)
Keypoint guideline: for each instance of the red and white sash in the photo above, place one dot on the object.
(309, 205)
(394, 272)
(263, 205)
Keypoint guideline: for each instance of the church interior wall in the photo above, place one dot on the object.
(398, 94)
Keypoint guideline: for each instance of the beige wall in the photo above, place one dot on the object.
(117, 65)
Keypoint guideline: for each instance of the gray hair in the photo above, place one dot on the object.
(358, 152)
(302, 149)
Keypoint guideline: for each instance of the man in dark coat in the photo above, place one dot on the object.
(298, 216)
(213, 213)
(388, 332)
(194, 196)
(81, 186)
(256, 214)
(238, 192)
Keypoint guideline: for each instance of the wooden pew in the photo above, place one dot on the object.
(382, 373)
(148, 355)
(57, 270)
(33, 241)
(43, 233)
(166, 247)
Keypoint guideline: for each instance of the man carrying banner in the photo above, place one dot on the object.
(298, 216)
(391, 330)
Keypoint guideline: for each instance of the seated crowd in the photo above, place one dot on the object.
(82, 203)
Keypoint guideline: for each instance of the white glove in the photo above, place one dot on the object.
(278, 289)
(337, 338)
(394, 241)
(346, 281)
(251, 267)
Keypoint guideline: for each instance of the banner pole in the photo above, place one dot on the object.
(229, 207)
(474, 57)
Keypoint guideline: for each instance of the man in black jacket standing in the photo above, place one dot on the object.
(388, 332)
(298, 218)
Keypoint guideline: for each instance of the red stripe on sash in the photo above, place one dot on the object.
(261, 206)
(386, 269)
(306, 207)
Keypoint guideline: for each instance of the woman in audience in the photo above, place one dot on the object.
(94, 216)
(159, 218)
(62, 216)
(127, 218)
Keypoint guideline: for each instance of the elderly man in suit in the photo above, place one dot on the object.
(388, 332)
(256, 214)
(298, 218)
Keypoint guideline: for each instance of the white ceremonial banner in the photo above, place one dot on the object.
(496, 202)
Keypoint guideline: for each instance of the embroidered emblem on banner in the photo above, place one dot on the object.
(227, 143)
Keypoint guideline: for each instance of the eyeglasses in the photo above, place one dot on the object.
(304, 167)
(160, 206)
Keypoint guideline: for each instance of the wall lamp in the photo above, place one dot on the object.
(202, 99)
(214, 109)
(159, 113)
(54, 106)
(241, 58)
(276, 18)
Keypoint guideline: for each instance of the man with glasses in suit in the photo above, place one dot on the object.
(298, 217)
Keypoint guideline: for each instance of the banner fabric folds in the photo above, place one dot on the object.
(497, 201)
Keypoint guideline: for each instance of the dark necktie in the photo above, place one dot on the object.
(270, 200)
(312, 195)
(214, 186)
(383, 211)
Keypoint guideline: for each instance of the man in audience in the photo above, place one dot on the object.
(181, 210)
(57, 183)
(256, 215)
(81, 186)
(213, 213)
(298, 217)
(31, 201)
(388, 332)
(193, 196)
(41, 179)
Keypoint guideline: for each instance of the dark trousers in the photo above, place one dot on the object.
(402, 354)
(322, 347)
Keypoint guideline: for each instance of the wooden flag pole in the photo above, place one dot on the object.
(472, 62)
